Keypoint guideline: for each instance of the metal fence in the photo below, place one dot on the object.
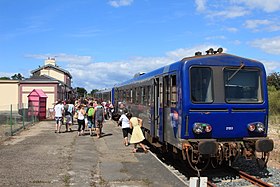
(14, 118)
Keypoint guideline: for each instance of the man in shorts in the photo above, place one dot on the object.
(99, 118)
(69, 110)
(58, 109)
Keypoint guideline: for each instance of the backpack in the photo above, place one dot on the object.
(99, 113)
(90, 111)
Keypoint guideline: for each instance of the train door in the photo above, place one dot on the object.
(158, 112)
(156, 107)
(167, 132)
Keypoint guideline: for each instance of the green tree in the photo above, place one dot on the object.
(274, 102)
(17, 77)
(93, 91)
(273, 79)
(81, 92)
(5, 78)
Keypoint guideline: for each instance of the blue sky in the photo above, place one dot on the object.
(104, 42)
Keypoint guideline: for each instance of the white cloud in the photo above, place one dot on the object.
(5, 74)
(232, 29)
(200, 5)
(99, 75)
(253, 24)
(235, 8)
(273, 28)
(62, 57)
(119, 3)
(270, 66)
(231, 12)
(262, 25)
(215, 38)
(267, 6)
(268, 45)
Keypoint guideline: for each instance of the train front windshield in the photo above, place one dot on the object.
(240, 85)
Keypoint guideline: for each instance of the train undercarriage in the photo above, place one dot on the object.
(199, 155)
(226, 153)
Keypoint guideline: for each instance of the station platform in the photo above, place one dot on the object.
(38, 156)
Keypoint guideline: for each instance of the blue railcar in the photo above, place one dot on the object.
(211, 108)
(105, 95)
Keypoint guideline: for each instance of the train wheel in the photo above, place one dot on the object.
(218, 159)
(198, 164)
(215, 162)
(262, 161)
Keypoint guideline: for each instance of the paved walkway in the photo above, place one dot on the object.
(40, 157)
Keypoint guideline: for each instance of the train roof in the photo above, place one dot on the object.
(212, 59)
(216, 56)
(103, 91)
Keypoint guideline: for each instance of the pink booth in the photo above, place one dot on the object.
(37, 102)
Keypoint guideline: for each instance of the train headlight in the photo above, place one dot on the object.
(260, 127)
(251, 127)
(199, 128)
(257, 126)
(208, 128)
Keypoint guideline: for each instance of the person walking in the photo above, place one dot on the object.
(90, 117)
(69, 111)
(59, 109)
(124, 123)
(99, 118)
(81, 120)
(137, 136)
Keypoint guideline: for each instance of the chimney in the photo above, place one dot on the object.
(50, 61)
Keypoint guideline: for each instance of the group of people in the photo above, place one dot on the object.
(132, 125)
(89, 114)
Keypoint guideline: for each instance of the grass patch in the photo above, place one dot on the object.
(274, 120)
(66, 180)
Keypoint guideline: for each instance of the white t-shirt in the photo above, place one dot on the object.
(80, 115)
(125, 121)
(58, 110)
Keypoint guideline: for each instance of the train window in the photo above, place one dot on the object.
(166, 94)
(149, 95)
(124, 96)
(146, 101)
(201, 85)
(161, 94)
(131, 96)
(134, 95)
(173, 91)
(137, 95)
(143, 96)
(242, 85)
(127, 95)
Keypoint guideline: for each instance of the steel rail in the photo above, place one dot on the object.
(253, 179)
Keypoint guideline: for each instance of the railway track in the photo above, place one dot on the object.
(184, 174)
(240, 175)
(252, 179)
